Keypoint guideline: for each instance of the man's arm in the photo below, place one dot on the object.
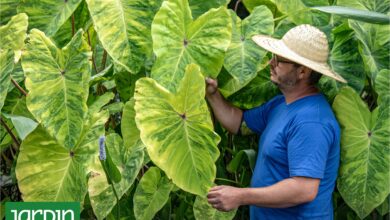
(228, 115)
(286, 193)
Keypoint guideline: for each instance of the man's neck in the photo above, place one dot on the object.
(297, 92)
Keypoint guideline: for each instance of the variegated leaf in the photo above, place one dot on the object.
(48, 15)
(244, 58)
(177, 130)
(364, 175)
(48, 171)
(128, 163)
(178, 41)
(124, 29)
(57, 81)
(151, 194)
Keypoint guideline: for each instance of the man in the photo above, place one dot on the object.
(298, 155)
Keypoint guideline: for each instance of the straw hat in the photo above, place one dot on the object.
(303, 44)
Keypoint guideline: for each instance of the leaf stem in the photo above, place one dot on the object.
(10, 132)
(104, 59)
(73, 28)
(18, 87)
(93, 56)
(236, 6)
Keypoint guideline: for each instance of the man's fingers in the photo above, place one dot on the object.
(213, 201)
(216, 188)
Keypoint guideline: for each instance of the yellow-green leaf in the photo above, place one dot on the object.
(178, 41)
(177, 130)
(57, 81)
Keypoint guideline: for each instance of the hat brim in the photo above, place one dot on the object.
(279, 48)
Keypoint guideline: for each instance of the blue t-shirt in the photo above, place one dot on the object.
(297, 139)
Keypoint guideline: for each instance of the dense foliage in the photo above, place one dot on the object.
(77, 75)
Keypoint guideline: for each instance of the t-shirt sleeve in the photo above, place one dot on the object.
(308, 146)
(256, 118)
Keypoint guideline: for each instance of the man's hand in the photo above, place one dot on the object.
(211, 86)
(224, 198)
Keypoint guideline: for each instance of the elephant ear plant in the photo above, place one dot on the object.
(103, 102)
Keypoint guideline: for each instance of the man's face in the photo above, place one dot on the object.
(283, 72)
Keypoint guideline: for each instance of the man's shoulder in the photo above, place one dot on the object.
(316, 110)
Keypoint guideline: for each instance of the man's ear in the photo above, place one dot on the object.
(304, 72)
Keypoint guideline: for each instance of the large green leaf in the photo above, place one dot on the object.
(203, 210)
(14, 32)
(177, 130)
(46, 170)
(258, 91)
(382, 6)
(301, 14)
(374, 45)
(200, 7)
(345, 58)
(382, 87)
(6, 66)
(124, 29)
(57, 81)
(128, 163)
(48, 15)
(243, 58)
(250, 5)
(151, 194)
(357, 14)
(130, 132)
(7, 10)
(178, 41)
(80, 19)
(364, 173)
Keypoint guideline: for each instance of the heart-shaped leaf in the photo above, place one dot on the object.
(178, 41)
(200, 7)
(364, 173)
(243, 58)
(345, 58)
(151, 194)
(6, 67)
(301, 13)
(124, 29)
(14, 32)
(128, 163)
(203, 210)
(374, 45)
(57, 81)
(46, 170)
(48, 16)
(177, 130)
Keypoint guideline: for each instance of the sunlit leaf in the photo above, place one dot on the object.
(57, 81)
(151, 194)
(374, 45)
(6, 66)
(177, 130)
(47, 15)
(244, 58)
(203, 210)
(124, 29)
(48, 171)
(200, 7)
(128, 163)
(364, 175)
(178, 41)
(301, 13)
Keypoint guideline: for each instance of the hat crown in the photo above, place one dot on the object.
(308, 42)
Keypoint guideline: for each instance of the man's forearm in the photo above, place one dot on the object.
(286, 193)
(228, 115)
